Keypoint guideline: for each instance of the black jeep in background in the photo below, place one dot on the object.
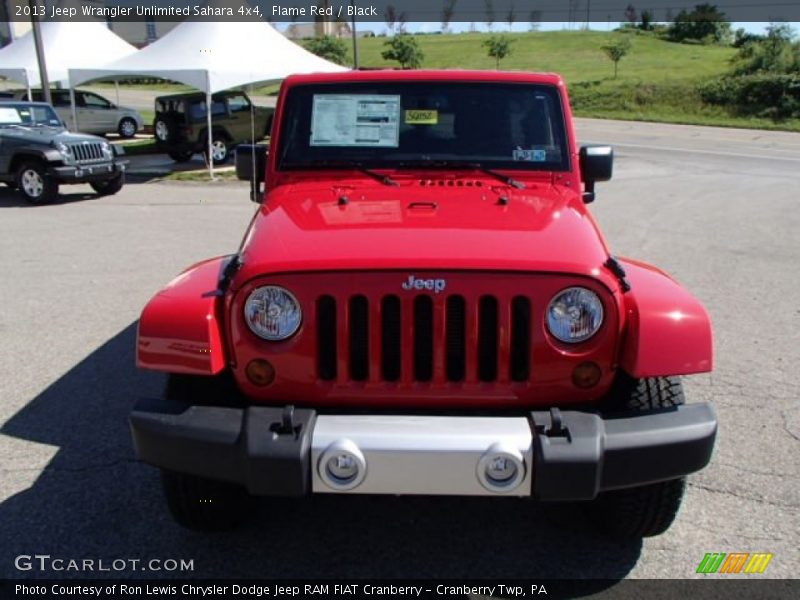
(180, 124)
(37, 153)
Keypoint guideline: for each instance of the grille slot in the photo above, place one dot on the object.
(326, 338)
(86, 153)
(519, 364)
(391, 347)
(359, 338)
(455, 339)
(423, 338)
(487, 338)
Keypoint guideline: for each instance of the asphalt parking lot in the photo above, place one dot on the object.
(718, 209)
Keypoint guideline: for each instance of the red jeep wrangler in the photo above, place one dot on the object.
(422, 304)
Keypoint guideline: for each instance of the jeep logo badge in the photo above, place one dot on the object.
(434, 285)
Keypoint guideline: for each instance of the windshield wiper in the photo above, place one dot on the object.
(358, 166)
(461, 164)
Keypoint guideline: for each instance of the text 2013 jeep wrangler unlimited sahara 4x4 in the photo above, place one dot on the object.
(423, 305)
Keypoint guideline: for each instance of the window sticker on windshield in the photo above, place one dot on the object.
(9, 115)
(532, 155)
(371, 120)
(422, 117)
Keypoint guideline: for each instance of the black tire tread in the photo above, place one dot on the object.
(639, 512)
(648, 510)
(195, 502)
(203, 504)
(109, 187)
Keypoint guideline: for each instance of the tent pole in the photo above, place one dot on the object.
(37, 40)
(209, 134)
(72, 106)
(28, 86)
(116, 85)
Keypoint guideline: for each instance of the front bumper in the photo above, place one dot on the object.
(86, 173)
(569, 455)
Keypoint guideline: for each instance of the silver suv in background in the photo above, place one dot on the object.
(95, 114)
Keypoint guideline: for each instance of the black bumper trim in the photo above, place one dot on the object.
(585, 456)
(596, 454)
(87, 173)
(229, 444)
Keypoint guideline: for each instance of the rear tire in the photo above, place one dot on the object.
(164, 130)
(219, 149)
(127, 128)
(109, 187)
(647, 510)
(195, 502)
(35, 185)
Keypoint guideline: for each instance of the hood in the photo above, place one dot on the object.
(422, 224)
(46, 135)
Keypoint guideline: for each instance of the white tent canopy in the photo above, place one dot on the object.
(77, 44)
(214, 56)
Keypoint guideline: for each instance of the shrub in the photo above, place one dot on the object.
(775, 96)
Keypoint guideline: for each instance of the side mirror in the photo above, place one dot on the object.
(597, 164)
(251, 165)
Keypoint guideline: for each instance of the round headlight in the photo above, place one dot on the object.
(574, 315)
(272, 313)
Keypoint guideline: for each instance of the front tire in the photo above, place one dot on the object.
(109, 187)
(180, 156)
(127, 128)
(195, 502)
(648, 510)
(203, 504)
(35, 185)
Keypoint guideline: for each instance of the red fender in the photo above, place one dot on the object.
(668, 331)
(179, 330)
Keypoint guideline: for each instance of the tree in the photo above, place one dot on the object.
(489, 10)
(617, 50)
(402, 19)
(774, 53)
(499, 46)
(448, 8)
(404, 49)
(390, 16)
(706, 23)
(328, 47)
(535, 20)
(511, 17)
(631, 16)
(646, 20)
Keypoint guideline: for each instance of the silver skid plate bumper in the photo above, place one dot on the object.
(422, 455)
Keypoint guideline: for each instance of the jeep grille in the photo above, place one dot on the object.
(90, 152)
(417, 335)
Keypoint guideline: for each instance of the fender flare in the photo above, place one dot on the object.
(48, 155)
(667, 330)
(180, 328)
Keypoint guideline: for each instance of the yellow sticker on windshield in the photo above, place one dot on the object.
(422, 117)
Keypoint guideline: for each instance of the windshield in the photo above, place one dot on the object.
(28, 115)
(410, 124)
